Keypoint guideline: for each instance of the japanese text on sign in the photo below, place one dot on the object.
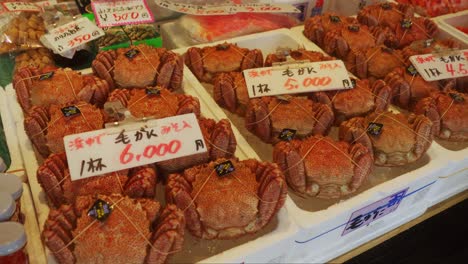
(374, 211)
(107, 150)
(73, 34)
(227, 9)
(433, 67)
(121, 12)
(297, 78)
(21, 6)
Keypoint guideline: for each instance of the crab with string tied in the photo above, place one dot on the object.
(206, 62)
(129, 231)
(316, 27)
(225, 206)
(394, 139)
(320, 167)
(140, 66)
(54, 178)
(385, 14)
(52, 85)
(157, 102)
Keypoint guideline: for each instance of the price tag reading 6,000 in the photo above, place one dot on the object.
(102, 151)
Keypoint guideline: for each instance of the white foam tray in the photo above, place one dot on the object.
(320, 239)
(263, 249)
(447, 25)
(16, 166)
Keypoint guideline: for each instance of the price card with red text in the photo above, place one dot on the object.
(121, 12)
(21, 6)
(102, 151)
(72, 34)
(226, 9)
(297, 78)
(433, 67)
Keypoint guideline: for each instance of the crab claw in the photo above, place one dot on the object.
(257, 119)
(354, 130)
(103, 64)
(224, 91)
(193, 59)
(334, 43)
(383, 95)
(170, 71)
(252, 59)
(188, 104)
(35, 124)
(142, 182)
(357, 62)
(292, 164)
(428, 108)
(400, 88)
(423, 129)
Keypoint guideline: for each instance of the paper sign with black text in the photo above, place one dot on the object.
(433, 67)
(21, 6)
(121, 12)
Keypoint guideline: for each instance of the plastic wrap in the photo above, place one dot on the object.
(434, 8)
(37, 58)
(126, 34)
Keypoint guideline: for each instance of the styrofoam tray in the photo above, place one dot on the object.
(16, 166)
(450, 21)
(320, 238)
(262, 249)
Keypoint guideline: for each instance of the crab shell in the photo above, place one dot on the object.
(385, 14)
(354, 37)
(206, 62)
(239, 203)
(64, 86)
(408, 88)
(136, 231)
(374, 63)
(316, 27)
(266, 117)
(165, 104)
(403, 139)
(426, 46)
(449, 113)
(46, 127)
(150, 66)
(54, 177)
(421, 28)
(363, 99)
(299, 55)
(321, 167)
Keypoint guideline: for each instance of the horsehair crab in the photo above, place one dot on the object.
(155, 102)
(54, 177)
(316, 27)
(299, 54)
(229, 206)
(318, 166)
(374, 63)
(363, 99)
(385, 14)
(140, 66)
(394, 139)
(266, 117)
(46, 126)
(206, 62)
(449, 113)
(52, 85)
(426, 46)
(135, 231)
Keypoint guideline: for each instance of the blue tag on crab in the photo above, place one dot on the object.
(457, 97)
(153, 91)
(412, 70)
(287, 134)
(46, 76)
(131, 53)
(71, 110)
(100, 210)
(375, 129)
(224, 168)
(406, 23)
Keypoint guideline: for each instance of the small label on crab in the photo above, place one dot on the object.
(46, 76)
(335, 19)
(362, 4)
(131, 53)
(287, 134)
(100, 210)
(224, 168)
(375, 129)
(386, 6)
(353, 28)
(386, 49)
(406, 23)
(457, 97)
(70, 110)
(153, 91)
(353, 82)
(412, 70)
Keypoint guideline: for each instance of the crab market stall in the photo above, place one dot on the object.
(291, 145)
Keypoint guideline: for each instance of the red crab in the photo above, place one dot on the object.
(225, 207)
(206, 62)
(385, 14)
(140, 66)
(135, 231)
(316, 27)
(52, 85)
(54, 177)
(319, 166)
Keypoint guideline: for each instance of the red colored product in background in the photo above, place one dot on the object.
(434, 8)
(463, 29)
(19, 257)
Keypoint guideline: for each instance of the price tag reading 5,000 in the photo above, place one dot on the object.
(121, 12)
(297, 78)
(102, 151)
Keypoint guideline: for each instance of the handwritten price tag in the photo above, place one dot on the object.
(297, 78)
(112, 149)
(21, 6)
(73, 34)
(121, 12)
(433, 67)
(374, 211)
(227, 9)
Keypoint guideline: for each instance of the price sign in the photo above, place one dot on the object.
(374, 211)
(227, 9)
(43, 4)
(297, 78)
(121, 12)
(21, 6)
(72, 34)
(433, 67)
(112, 149)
